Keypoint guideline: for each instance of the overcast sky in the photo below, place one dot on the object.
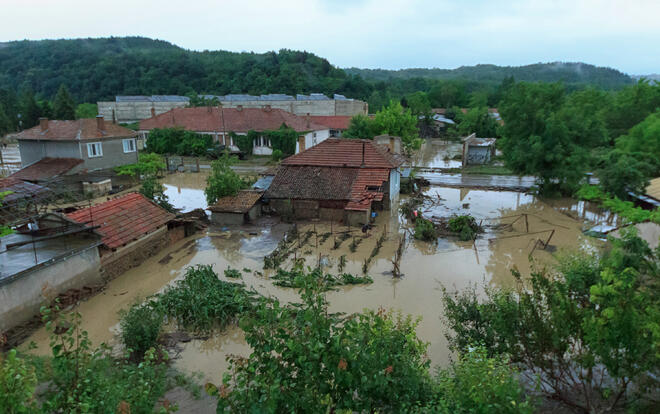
(392, 34)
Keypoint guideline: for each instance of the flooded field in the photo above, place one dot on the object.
(513, 223)
(438, 153)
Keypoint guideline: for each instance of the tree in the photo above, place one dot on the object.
(589, 332)
(29, 110)
(5, 123)
(394, 120)
(223, 181)
(359, 127)
(631, 105)
(419, 104)
(153, 190)
(478, 121)
(86, 110)
(148, 164)
(621, 172)
(63, 105)
(644, 138)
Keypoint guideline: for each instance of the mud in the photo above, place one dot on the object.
(507, 243)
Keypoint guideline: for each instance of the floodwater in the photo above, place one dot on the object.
(426, 267)
(438, 153)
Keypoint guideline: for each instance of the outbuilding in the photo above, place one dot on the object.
(242, 208)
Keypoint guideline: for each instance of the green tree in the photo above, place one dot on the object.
(394, 120)
(148, 164)
(644, 138)
(419, 103)
(29, 110)
(479, 121)
(153, 190)
(63, 105)
(631, 105)
(86, 110)
(359, 127)
(223, 181)
(589, 331)
(5, 123)
(18, 382)
(621, 172)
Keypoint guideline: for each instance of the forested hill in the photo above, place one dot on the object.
(575, 74)
(95, 69)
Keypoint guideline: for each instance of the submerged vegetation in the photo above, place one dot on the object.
(294, 278)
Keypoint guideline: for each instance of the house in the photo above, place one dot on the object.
(242, 208)
(133, 228)
(221, 122)
(93, 143)
(338, 179)
(478, 150)
(38, 263)
(337, 123)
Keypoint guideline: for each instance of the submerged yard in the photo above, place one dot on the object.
(513, 223)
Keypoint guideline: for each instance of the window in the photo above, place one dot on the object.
(129, 145)
(94, 149)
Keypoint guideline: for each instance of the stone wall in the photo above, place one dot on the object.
(21, 299)
(133, 254)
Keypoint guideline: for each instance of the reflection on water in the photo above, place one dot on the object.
(437, 153)
(186, 190)
(426, 267)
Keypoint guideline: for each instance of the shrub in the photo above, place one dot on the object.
(277, 155)
(425, 230)
(223, 181)
(232, 273)
(140, 327)
(17, 384)
(465, 226)
(178, 141)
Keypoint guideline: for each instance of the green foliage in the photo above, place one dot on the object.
(153, 190)
(63, 105)
(17, 384)
(201, 301)
(28, 109)
(465, 226)
(590, 331)
(419, 103)
(632, 105)
(644, 138)
(283, 139)
(140, 328)
(425, 230)
(477, 120)
(232, 273)
(4, 230)
(148, 164)
(624, 209)
(305, 359)
(621, 172)
(477, 383)
(297, 277)
(245, 143)
(88, 380)
(223, 181)
(197, 100)
(277, 155)
(360, 127)
(178, 141)
(394, 120)
(87, 110)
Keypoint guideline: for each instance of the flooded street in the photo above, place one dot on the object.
(513, 223)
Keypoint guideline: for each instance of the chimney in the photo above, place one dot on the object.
(267, 108)
(100, 123)
(308, 119)
(153, 112)
(43, 123)
(239, 108)
(391, 144)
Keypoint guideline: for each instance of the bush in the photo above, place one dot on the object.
(140, 327)
(152, 189)
(223, 181)
(178, 141)
(465, 226)
(425, 230)
(17, 385)
(277, 155)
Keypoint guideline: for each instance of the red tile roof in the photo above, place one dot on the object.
(46, 168)
(312, 183)
(207, 119)
(367, 188)
(346, 153)
(333, 122)
(242, 202)
(78, 130)
(123, 219)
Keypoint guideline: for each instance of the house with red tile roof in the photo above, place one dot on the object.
(338, 179)
(337, 123)
(67, 147)
(222, 122)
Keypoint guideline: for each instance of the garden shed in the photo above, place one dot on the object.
(244, 207)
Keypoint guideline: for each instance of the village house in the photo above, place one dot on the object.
(478, 150)
(221, 122)
(242, 208)
(337, 123)
(42, 260)
(133, 228)
(340, 180)
(96, 144)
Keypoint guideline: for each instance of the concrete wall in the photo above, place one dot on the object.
(113, 155)
(21, 299)
(357, 218)
(135, 111)
(478, 155)
(395, 183)
(32, 151)
(227, 219)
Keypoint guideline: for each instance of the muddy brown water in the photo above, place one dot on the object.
(426, 267)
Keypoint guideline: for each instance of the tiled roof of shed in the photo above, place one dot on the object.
(312, 183)
(361, 194)
(46, 168)
(346, 153)
(20, 189)
(78, 130)
(242, 202)
(123, 219)
(235, 120)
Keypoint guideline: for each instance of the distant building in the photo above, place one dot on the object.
(337, 123)
(221, 122)
(135, 108)
(93, 143)
(341, 180)
(478, 150)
